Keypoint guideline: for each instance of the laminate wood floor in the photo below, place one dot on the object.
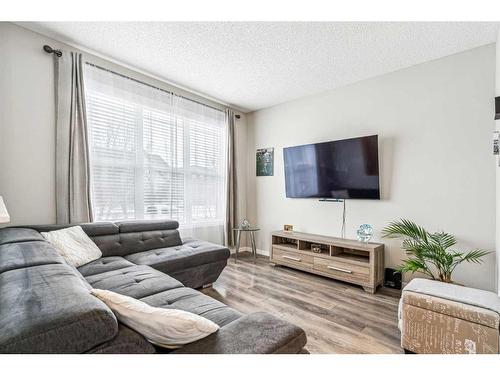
(337, 317)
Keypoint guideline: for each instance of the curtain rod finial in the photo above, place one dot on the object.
(49, 49)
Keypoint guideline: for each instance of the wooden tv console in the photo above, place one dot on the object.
(348, 260)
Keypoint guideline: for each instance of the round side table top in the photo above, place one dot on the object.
(247, 229)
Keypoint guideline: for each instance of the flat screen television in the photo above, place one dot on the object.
(344, 169)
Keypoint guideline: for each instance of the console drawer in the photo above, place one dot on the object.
(342, 270)
(292, 258)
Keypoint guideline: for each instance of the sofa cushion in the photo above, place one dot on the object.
(169, 328)
(128, 226)
(12, 235)
(124, 237)
(104, 264)
(197, 277)
(256, 333)
(127, 341)
(128, 243)
(27, 254)
(191, 300)
(190, 254)
(49, 309)
(136, 281)
(92, 229)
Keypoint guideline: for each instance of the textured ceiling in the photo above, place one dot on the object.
(253, 65)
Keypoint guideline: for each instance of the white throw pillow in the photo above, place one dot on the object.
(74, 245)
(169, 328)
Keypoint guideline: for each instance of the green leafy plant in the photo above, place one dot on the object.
(429, 253)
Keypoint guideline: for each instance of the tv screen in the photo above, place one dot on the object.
(345, 169)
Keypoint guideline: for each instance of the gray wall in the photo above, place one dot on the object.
(434, 121)
(27, 128)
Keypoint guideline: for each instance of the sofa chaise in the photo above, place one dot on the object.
(46, 306)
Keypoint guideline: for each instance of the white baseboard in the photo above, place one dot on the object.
(249, 249)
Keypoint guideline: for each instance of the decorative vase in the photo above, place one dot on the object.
(245, 224)
(365, 233)
(315, 248)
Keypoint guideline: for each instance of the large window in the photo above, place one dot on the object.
(153, 154)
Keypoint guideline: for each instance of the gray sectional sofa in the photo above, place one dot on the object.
(46, 307)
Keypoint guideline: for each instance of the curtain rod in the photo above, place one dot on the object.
(149, 85)
(58, 53)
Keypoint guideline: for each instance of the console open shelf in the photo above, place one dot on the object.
(347, 260)
(350, 255)
(285, 242)
(307, 247)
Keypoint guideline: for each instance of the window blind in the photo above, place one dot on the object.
(154, 154)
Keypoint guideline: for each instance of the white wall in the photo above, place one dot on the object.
(27, 128)
(240, 136)
(434, 122)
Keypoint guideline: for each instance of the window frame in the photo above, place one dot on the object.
(186, 219)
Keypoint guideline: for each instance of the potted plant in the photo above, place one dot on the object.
(429, 253)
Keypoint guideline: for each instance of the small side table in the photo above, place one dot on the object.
(251, 231)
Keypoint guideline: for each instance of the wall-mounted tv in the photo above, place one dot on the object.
(344, 169)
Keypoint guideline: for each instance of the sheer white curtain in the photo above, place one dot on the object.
(155, 155)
